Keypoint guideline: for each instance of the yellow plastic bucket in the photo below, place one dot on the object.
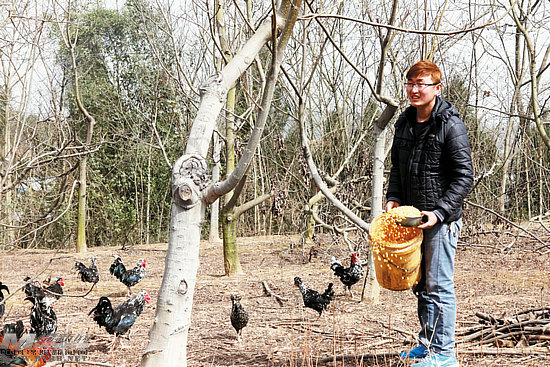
(396, 252)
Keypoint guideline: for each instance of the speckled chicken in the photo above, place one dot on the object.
(119, 320)
(3, 305)
(313, 299)
(239, 316)
(47, 292)
(43, 318)
(88, 274)
(348, 276)
(33, 288)
(128, 277)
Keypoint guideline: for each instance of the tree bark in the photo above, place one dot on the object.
(231, 262)
(214, 234)
(6, 209)
(81, 222)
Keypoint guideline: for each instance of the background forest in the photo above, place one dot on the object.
(97, 100)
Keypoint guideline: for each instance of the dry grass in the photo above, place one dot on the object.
(287, 335)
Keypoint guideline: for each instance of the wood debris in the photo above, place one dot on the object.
(524, 329)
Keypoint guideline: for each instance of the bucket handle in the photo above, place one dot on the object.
(406, 270)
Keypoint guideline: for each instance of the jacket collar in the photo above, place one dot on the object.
(441, 112)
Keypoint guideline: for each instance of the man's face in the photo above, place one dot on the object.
(422, 96)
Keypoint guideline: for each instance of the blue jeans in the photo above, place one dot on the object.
(435, 290)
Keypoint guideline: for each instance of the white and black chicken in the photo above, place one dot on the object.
(128, 277)
(348, 276)
(313, 299)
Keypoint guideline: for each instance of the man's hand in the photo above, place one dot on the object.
(432, 220)
(391, 204)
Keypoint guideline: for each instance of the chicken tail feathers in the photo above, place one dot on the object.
(102, 311)
(117, 268)
(329, 292)
(336, 266)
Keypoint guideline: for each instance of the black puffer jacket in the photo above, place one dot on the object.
(433, 171)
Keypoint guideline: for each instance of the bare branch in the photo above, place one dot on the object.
(406, 30)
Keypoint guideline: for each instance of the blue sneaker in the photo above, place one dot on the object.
(417, 352)
(437, 360)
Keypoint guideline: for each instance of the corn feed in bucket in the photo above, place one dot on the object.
(396, 249)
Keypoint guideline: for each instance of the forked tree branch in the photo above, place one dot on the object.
(212, 192)
(318, 179)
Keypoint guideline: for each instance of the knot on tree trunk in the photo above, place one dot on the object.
(183, 287)
(214, 86)
(189, 177)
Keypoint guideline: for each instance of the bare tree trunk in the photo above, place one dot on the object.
(232, 264)
(148, 203)
(6, 202)
(529, 194)
(516, 107)
(81, 245)
(231, 260)
(371, 285)
(541, 182)
(214, 233)
(81, 223)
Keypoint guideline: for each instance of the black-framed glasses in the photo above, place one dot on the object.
(419, 85)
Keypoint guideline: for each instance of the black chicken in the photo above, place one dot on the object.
(348, 276)
(2, 304)
(119, 320)
(53, 291)
(47, 292)
(88, 274)
(128, 277)
(43, 318)
(313, 299)
(239, 316)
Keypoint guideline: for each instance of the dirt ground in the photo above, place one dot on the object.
(488, 280)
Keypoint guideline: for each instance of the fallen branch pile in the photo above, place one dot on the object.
(526, 328)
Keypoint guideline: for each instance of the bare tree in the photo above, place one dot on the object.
(231, 210)
(535, 74)
(69, 37)
(379, 139)
(191, 192)
(36, 145)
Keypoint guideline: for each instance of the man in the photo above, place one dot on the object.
(432, 170)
